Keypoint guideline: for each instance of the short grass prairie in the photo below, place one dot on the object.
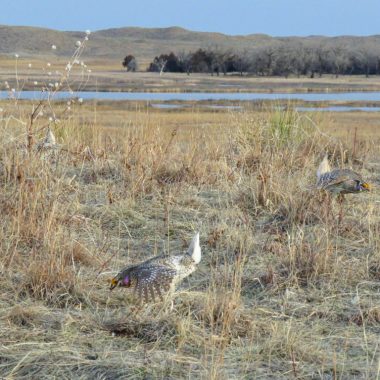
(284, 290)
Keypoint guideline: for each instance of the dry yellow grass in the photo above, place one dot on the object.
(283, 291)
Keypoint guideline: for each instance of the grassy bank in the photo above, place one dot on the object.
(283, 291)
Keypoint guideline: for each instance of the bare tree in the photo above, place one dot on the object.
(184, 60)
(338, 59)
(130, 63)
(285, 57)
(158, 64)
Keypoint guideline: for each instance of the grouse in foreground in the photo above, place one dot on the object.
(339, 181)
(158, 276)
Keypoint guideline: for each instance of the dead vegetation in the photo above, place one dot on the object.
(284, 291)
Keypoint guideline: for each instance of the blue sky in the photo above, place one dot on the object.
(274, 17)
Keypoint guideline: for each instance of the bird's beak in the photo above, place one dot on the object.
(114, 283)
(366, 186)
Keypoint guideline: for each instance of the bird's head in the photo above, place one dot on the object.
(123, 281)
(363, 186)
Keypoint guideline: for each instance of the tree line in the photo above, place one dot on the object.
(281, 59)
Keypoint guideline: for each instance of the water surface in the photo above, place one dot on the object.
(338, 109)
(199, 96)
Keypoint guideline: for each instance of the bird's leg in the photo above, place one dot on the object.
(164, 308)
(340, 201)
(326, 205)
(330, 206)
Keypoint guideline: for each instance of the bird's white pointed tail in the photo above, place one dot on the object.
(324, 167)
(195, 249)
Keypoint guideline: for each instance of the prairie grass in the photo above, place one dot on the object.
(284, 290)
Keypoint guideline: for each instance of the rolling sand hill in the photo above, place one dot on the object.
(144, 43)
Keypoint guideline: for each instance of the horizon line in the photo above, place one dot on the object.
(192, 31)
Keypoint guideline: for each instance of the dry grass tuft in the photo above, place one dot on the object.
(143, 331)
(285, 289)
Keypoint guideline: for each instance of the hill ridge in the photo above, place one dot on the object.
(144, 43)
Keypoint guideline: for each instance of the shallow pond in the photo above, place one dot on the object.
(158, 97)
(198, 96)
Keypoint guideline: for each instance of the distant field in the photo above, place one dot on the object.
(109, 75)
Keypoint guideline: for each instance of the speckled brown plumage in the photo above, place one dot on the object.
(339, 181)
(155, 278)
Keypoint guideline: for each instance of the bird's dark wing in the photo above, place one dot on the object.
(150, 280)
(337, 177)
